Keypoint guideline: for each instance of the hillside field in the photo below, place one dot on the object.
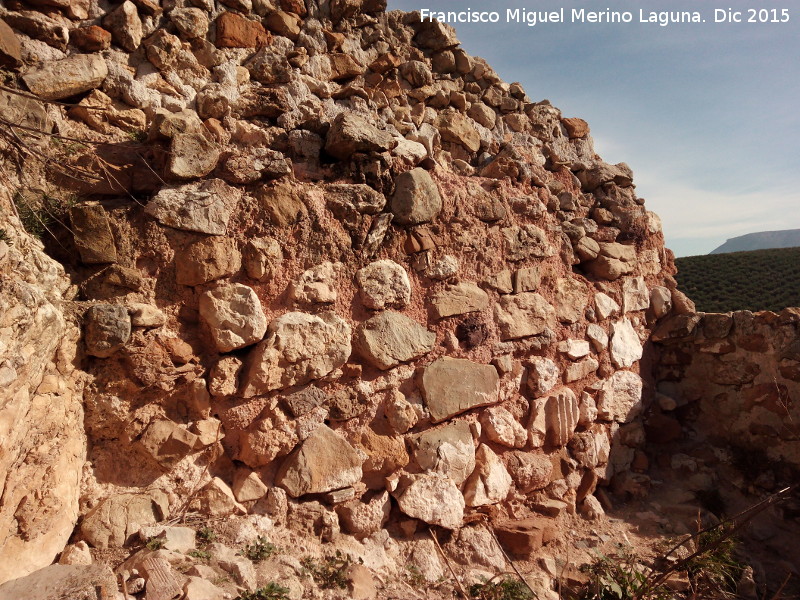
(756, 280)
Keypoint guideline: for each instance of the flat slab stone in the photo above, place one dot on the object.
(203, 206)
(389, 338)
(454, 385)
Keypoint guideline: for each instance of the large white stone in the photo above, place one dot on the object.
(234, 315)
(490, 482)
(543, 374)
(389, 338)
(431, 498)
(635, 295)
(620, 398)
(299, 347)
(625, 348)
(448, 450)
(523, 315)
(383, 284)
(203, 206)
(605, 305)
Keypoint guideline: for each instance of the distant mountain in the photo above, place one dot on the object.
(762, 240)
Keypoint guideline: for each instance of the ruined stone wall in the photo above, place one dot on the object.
(322, 254)
(734, 379)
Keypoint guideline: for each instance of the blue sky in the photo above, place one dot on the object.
(707, 114)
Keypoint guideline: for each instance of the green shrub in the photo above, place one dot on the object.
(155, 543)
(205, 535)
(260, 550)
(201, 554)
(505, 589)
(271, 591)
(330, 572)
(620, 577)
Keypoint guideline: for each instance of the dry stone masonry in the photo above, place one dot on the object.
(330, 270)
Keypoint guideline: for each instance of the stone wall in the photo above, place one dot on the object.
(321, 253)
(735, 378)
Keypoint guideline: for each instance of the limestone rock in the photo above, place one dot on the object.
(216, 499)
(416, 198)
(198, 588)
(489, 483)
(203, 206)
(523, 315)
(660, 301)
(283, 203)
(458, 299)
(530, 471)
(389, 338)
(448, 450)
(578, 370)
(235, 31)
(192, 155)
(344, 197)
(502, 428)
(453, 385)
(382, 284)
(191, 22)
(206, 260)
(177, 539)
(233, 314)
(317, 285)
(92, 233)
(400, 413)
(635, 295)
(146, 315)
(574, 349)
(570, 300)
(67, 77)
(248, 487)
(115, 520)
(9, 47)
(605, 306)
(525, 242)
(324, 462)
(167, 442)
(63, 582)
(554, 419)
(543, 375)
(76, 554)
(620, 399)
(362, 519)
(458, 129)
(350, 133)
(261, 257)
(386, 455)
(224, 377)
(625, 346)
(597, 336)
(108, 328)
(125, 26)
(299, 347)
(431, 498)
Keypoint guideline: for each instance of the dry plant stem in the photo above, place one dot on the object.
(53, 102)
(449, 565)
(739, 521)
(490, 529)
(190, 497)
(777, 595)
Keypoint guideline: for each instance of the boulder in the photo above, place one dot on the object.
(324, 462)
(92, 234)
(570, 300)
(192, 155)
(10, 51)
(236, 31)
(167, 442)
(203, 206)
(283, 203)
(574, 349)
(108, 328)
(67, 77)
(605, 306)
(416, 198)
(216, 499)
(489, 483)
(248, 486)
(458, 129)
(448, 451)
(620, 398)
(261, 257)
(206, 260)
(125, 26)
(530, 471)
(523, 315)
(299, 347)
(343, 198)
(578, 370)
(625, 348)
(454, 385)
(458, 299)
(389, 338)
(554, 419)
(431, 498)
(63, 582)
(502, 428)
(635, 295)
(116, 520)
(362, 519)
(351, 133)
(543, 374)
(527, 241)
(382, 284)
(191, 22)
(317, 285)
(234, 315)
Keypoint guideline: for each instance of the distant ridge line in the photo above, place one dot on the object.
(761, 240)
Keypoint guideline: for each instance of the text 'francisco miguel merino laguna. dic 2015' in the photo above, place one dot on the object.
(575, 15)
